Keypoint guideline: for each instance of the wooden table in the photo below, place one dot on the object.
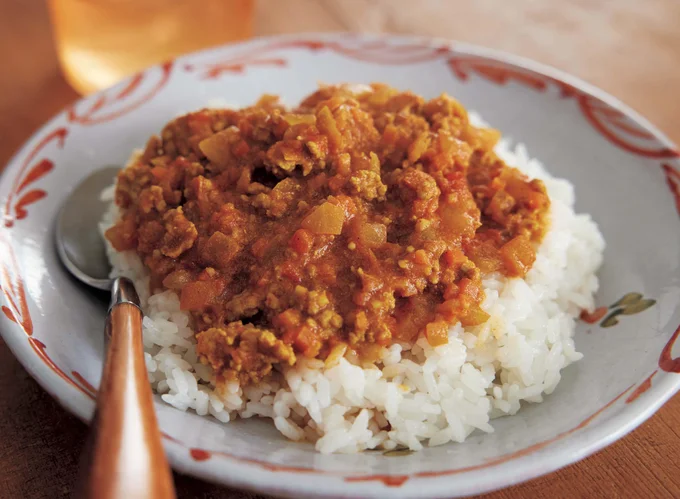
(627, 47)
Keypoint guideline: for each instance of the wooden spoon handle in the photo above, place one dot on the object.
(124, 457)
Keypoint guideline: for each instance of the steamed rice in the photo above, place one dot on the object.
(418, 395)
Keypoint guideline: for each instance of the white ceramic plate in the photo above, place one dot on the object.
(626, 174)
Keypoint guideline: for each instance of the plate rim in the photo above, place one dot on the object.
(665, 386)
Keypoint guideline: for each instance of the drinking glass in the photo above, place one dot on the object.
(101, 41)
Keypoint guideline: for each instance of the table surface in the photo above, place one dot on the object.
(626, 47)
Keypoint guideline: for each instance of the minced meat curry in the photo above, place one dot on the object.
(348, 223)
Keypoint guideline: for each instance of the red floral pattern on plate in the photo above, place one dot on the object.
(12, 286)
(13, 289)
(214, 70)
(84, 383)
(642, 388)
(613, 124)
(673, 181)
(108, 105)
(40, 349)
(19, 198)
(377, 51)
(666, 361)
(594, 316)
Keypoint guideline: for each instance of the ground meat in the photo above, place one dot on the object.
(180, 233)
(243, 352)
(368, 185)
(357, 219)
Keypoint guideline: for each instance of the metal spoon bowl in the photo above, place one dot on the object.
(80, 245)
(124, 456)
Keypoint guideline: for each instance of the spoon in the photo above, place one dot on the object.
(124, 456)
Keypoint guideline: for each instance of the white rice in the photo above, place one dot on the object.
(419, 395)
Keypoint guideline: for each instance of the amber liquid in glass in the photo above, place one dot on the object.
(99, 42)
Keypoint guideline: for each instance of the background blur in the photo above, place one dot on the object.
(629, 48)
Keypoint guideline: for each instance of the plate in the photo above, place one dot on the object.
(626, 174)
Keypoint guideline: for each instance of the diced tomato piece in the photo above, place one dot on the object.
(122, 236)
(291, 271)
(302, 241)
(260, 247)
(241, 149)
(452, 256)
(159, 172)
(177, 279)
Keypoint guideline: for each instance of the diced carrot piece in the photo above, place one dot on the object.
(307, 341)
(287, 319)
(449, 310)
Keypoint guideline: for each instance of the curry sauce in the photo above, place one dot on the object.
(350, 222)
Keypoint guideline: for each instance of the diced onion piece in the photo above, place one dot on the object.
(437, 333)
(518, 256)
(474, 316)
(327, 218)
(177, 279)
(217, 147)
(372, 235)
(485, 256)
(220, 250)
(337, 353)
(458, 220)
(296, 119)
(328, 127)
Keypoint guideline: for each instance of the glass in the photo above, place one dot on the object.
(101, 41)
